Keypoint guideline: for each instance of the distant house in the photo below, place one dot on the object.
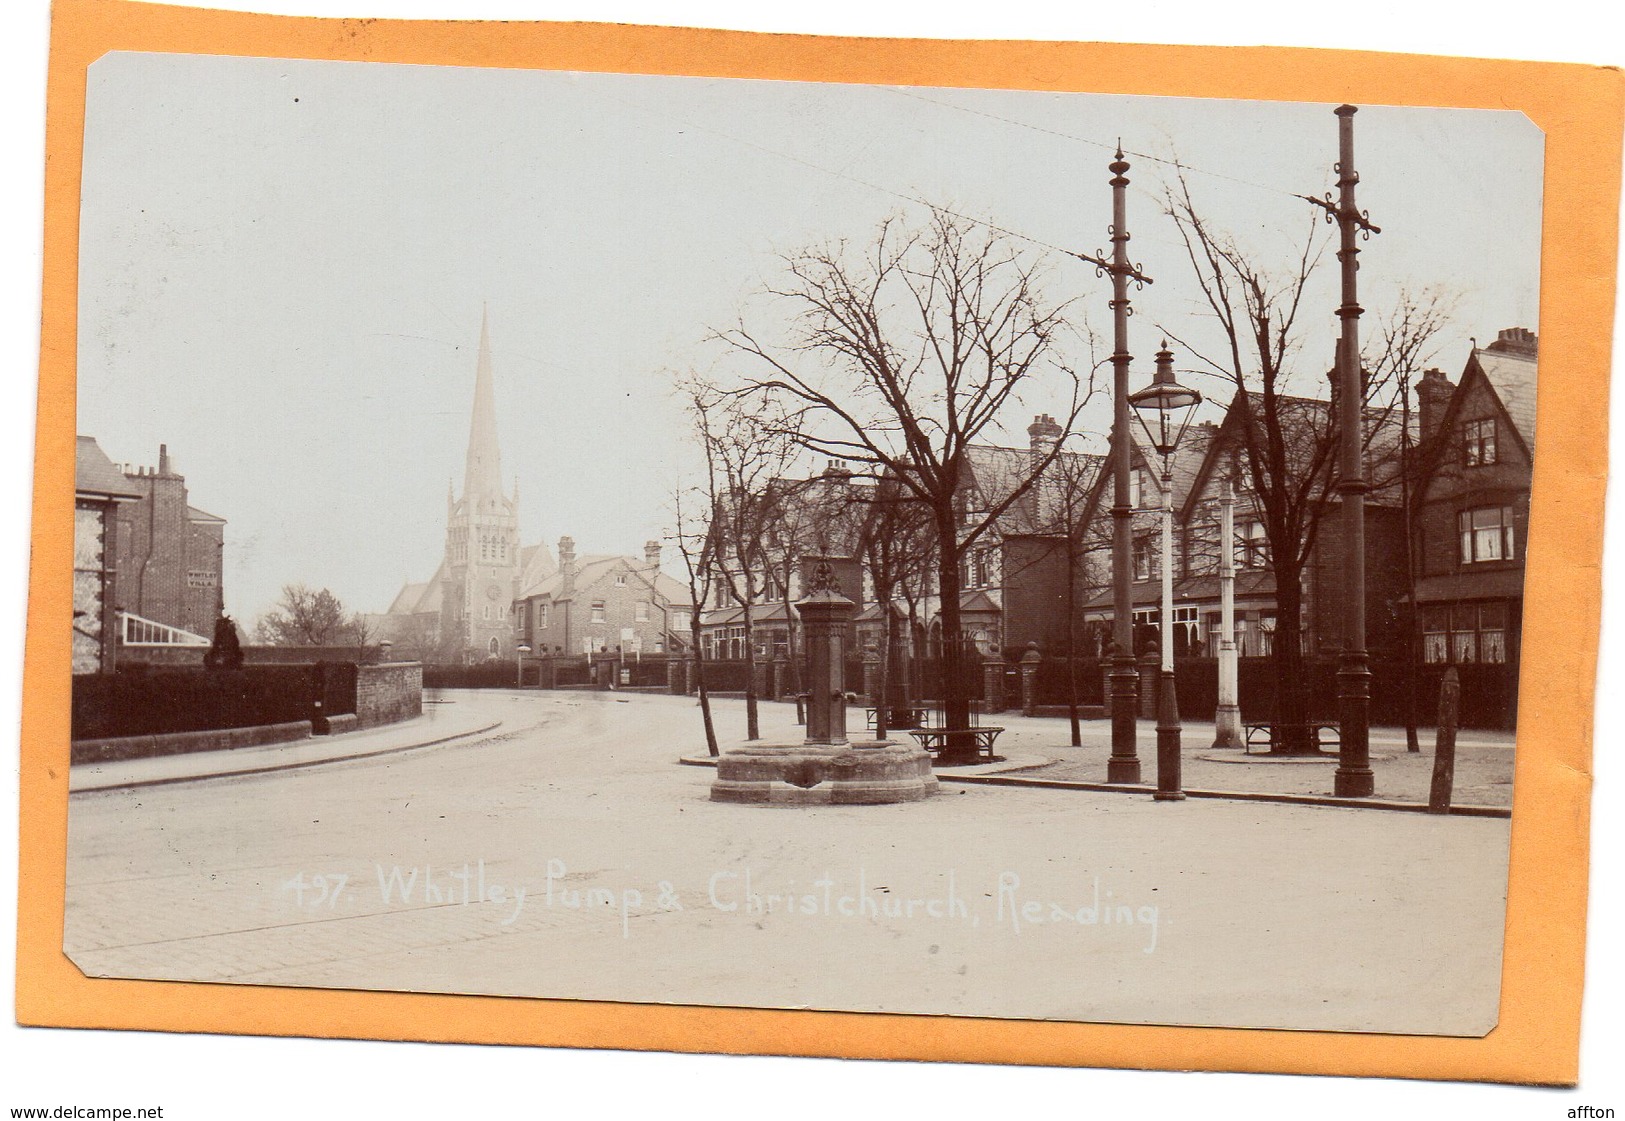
(1472, 521)
(604, 603)
(1212, 455)
(99, 489)
(818, 518)
(1031, 570)
(1195, 552)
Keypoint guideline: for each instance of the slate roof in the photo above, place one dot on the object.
(1512, 376)
(1306, 421)
(996, 471)
(536, 563)
(417, 599)
(595, 567)
(1187, 460)
(1192, 589)
(589, 570)
(94, 474)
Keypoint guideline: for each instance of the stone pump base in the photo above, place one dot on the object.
(859, 774)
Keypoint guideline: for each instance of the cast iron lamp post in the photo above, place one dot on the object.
(1164, 409)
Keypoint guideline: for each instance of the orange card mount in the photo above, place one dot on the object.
(1025, 965)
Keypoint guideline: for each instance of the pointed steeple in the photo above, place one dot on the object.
(482, 478)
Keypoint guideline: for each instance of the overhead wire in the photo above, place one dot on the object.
(1174, 163)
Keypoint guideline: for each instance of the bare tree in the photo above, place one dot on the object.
(363, 632)
(897, 549)
(303, 617)
(1068, 517)
(695, 541)
(1288, 458)
(748, 445)
(900, 358)
(1403, 346)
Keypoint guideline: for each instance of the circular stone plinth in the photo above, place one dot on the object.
(808, 775)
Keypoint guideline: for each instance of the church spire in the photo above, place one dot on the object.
(482, 478)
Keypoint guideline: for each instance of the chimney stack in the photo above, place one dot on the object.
(651, 554)
(1336, 380)
(1043, 434)
(838, 471)
(567, 566)
(1516, 340)
(163, 459)
(1433, 395)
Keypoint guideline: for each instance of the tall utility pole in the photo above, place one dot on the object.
(1124, 764)
(1354, 778)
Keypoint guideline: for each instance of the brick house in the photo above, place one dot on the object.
(1477, 445)
(604, 603)
(1015, 579)
(1195, 555)
(1209, 456)
(168, 553)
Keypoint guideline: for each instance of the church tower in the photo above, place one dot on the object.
(482, 536)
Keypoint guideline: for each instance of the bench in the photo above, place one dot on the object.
(1321, 731)
(914, 718)
(935, 740)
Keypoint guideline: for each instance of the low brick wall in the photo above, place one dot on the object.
(387, 693)
(182, 743)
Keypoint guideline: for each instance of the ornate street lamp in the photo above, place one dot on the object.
(1164, 409)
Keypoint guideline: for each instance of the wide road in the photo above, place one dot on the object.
(566, 855)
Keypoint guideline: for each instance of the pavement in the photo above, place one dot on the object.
(440, 722)
(1483, 774)
(562, 853)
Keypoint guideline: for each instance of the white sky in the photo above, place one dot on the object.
(283, 265)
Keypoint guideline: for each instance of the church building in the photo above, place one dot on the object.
(464, 613)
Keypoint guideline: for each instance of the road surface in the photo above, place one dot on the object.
(564, 854)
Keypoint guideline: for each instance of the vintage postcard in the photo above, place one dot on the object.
(607, 519)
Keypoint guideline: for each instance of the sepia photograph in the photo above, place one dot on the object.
(789, 545)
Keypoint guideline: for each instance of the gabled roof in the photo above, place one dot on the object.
(1310, 420)
(588, 571)
(95, 476)
(535, 565)
(592, 569)
(418, 599)
(978, 601)
(196, 515)
(1512, 376)
(996, 471)
(1187, 461)
(827, 510)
